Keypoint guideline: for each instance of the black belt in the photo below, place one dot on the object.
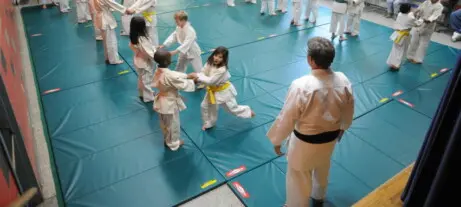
(318, 138)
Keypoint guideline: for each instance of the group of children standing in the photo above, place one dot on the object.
(167, 100)
(214, 75)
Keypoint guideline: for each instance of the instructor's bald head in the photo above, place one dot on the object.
(163, 58)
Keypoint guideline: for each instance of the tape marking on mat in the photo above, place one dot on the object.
(406, 103)
(261, 38)
(208, 183)
(397, 93)
(241, 190)
(206, 5)
(273, 35)
(236, 171)
(51, 91)
(36, 35)
(383, 100)
(88, 25)
(123, 72)
(444, 70)
(434, 75)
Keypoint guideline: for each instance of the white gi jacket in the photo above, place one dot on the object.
(431, 12)
(104, 18)
(147, 6)
(355, 6)
(168, 83)
(143, 53)
(212, 76)
(187, 38)
(315, 104)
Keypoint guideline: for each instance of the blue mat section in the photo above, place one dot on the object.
(109, 147)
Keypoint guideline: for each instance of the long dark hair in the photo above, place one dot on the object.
(137, 29)
(225, 56)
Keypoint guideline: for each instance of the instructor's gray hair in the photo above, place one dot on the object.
(322, 51)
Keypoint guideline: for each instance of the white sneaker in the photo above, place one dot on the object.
(456, 36)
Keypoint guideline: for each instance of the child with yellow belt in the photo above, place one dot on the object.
(220, 90)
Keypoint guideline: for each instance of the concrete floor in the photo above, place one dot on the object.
(219, 197)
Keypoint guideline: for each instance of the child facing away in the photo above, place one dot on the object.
(220, 91)
(339, 10)
(83, 11)
(144, 52)
(189, 51)
(401, 36)
(167, 102)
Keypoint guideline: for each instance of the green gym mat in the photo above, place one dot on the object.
(108, 145)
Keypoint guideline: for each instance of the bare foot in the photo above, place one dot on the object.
(253, 114)
(181, 143)
(44, 6)
(342, 38)
(204, 128)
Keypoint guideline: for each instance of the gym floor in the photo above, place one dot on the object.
(108, 146)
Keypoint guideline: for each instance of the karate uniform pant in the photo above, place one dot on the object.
(296, 12)
(145, 77)
(398, 52)
(210, 111)
(170, 125)
(393, 6)
(312, 6)
(97, 31)
(282, 5)
(64, 5)
(83, 11)
(183, 62)
(126, 20)
(418, 45)
(268, 4)
(152, 29)
(308, 170)
(353, 23)
(335, 19)
(110, 46)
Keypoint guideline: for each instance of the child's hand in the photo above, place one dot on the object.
(161, 46)
(192, 76)
(174, 52)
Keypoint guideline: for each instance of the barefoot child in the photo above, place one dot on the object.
(339, 10)
(167, 102)
(189, 51)
(219, 90)
(144, 52)
(401, 37)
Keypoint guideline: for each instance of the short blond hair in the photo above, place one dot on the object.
(181, 16)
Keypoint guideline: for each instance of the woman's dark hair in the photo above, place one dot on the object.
(137, 29)
(163, 58)
(405, 8)
(322, 51)
(225, 56)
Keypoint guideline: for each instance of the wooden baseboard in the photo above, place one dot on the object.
(388, 194)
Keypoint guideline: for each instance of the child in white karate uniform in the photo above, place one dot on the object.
(401, 36)
(312, 6)
(105, 21)
(339, 10)
(189, 51)
(354, 13)
(268, 5)
(83, 11)
(144, 52)
(296, 12)
(168, 103)
(97, 31)
(220, 91)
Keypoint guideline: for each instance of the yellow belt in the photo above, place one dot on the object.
(212, 89)
(148, 15)
(401, 35)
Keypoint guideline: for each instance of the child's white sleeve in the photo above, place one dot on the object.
(179, 81)
(115, 6)
(171, 39)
